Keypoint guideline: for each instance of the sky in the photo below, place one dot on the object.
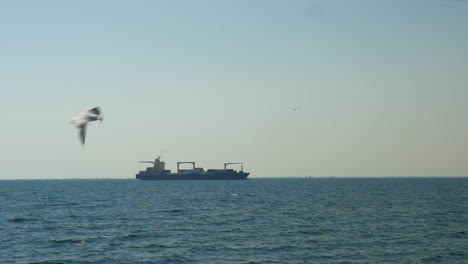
(382, 87)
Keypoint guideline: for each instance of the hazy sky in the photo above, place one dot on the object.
(382, 86)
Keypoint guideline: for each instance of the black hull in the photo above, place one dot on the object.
(192, 176)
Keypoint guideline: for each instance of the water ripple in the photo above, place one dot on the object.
(256, 221)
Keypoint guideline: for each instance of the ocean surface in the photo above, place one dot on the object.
(311, 220)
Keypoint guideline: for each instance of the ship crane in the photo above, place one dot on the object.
(158, 165)
(152, 162)
(183, 162)
(231, 163)
(158, 158)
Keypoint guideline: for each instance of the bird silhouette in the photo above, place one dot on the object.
(294, 108)
(81, 121)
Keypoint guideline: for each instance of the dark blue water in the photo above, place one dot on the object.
(389, 220)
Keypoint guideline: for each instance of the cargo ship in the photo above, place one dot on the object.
(159, 173)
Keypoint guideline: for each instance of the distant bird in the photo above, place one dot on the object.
(294, 108)
(81, 121)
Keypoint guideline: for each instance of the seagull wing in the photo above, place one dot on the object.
(82, 133)
(95, 111)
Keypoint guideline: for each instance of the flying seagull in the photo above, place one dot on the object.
(82, 120)
(294, 108)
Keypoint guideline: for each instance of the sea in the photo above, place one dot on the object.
(274, 220)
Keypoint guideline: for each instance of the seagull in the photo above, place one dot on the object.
(294, 108)
(82, 120)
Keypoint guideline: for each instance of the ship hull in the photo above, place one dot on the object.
(192, 176)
